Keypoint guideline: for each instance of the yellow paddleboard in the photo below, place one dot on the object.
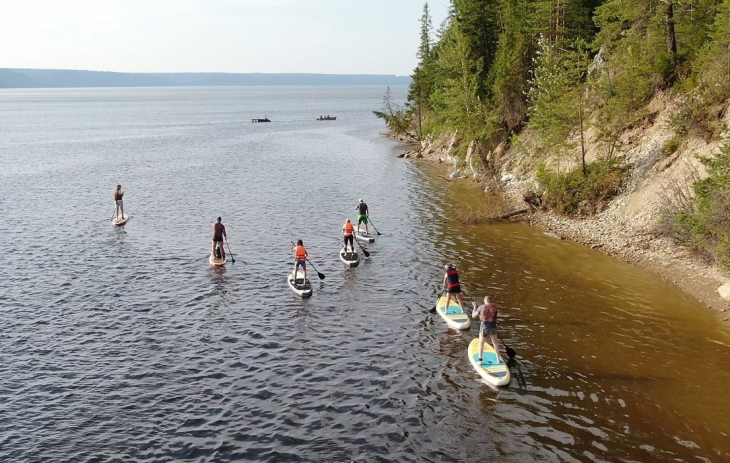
(454, 316)
(492, 372)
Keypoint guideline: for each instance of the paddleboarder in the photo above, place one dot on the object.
(363, 216)
(118, 203)
(219, 234)
(300, 258)
(347, 231)
(452, 285)
(487, 313)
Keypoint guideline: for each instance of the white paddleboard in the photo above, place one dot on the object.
(120, 222)
(351, 259)
(364, 237)
(217, 262)
(300, 287)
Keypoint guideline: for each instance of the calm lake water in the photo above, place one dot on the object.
(123, 345)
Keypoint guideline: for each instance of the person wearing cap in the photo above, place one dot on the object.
(219, 234)
(487, 313)
(348, 230)
(363, 217)
(118, 203)
(451, 285)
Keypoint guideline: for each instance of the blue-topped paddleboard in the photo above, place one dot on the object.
(490, 369)
(453, 315)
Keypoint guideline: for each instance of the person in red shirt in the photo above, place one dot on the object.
(348, 231)
(452, 285)
(219, 234)
(487, 313)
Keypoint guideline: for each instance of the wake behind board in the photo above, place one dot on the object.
(120, 222)
(454, 316)
(364, 237)
(299, 286)
(493, 372)
(350, 259)
(217, 262)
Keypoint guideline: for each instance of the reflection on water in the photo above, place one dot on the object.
(126, 346)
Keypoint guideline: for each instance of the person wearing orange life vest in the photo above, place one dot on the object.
(300, 258)
(452, 285)
(487, 313)
(348, 231)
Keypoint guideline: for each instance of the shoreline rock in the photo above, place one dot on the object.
(610, 230)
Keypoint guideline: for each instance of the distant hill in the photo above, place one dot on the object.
(57, 78)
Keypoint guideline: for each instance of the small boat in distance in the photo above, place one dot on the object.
(258, 119)
(327, 118)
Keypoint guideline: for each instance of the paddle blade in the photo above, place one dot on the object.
(320, 275)
(367, 254)
(233, 261)
(510, 352)
(433, 309)
(377, 232)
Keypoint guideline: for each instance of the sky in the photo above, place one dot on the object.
(308, 36)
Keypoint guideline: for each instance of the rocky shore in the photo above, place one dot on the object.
(626, 227)
(635, 242)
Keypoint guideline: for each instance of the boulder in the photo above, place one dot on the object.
(724, 291)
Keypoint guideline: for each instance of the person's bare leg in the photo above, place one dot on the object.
(495, 343)
(305, 275)
(448, 301)
(481, 348)
(121, 206)
(212, 251)
(461, 301)
(295, 273)
(223, 251)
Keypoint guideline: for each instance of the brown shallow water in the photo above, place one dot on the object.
(615, 364)
(125, 346)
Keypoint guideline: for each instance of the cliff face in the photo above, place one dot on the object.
(628, 226)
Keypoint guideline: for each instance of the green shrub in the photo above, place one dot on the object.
(706, 227)
(574, 193)
(671, 145)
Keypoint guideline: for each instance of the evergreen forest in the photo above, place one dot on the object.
(539, 78)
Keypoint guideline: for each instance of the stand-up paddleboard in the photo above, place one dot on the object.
(453, 315)
(493, 372)
(217, 262)
(120, 222)
(299, 286)
(364, 237)
(350, 258)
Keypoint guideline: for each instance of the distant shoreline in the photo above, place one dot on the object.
(58, 78)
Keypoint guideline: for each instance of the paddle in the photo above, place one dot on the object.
(510, 351)
(433, 309)
(233, 261)
(371, 223)
(367, 254)
(319, 274)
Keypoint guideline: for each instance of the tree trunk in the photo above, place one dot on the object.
(671, 36)
(582, 140)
